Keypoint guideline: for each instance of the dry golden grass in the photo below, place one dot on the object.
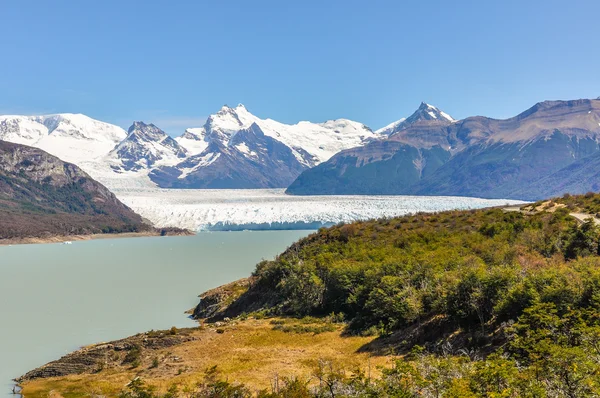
(248, 352)
(548, 205)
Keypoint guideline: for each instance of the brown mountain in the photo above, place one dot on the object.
(476, 156)
(42, 196)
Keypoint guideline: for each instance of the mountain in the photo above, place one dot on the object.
(250, 159)
(580, 176)
(42, 196)
(424, 114)
(233, 149)
(477, 156)
(311, 143)
(145, 146)
(71, 137)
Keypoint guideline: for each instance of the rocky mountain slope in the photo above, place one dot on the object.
(145, 146)
(250, 159)
(42, 196)
(477, 156)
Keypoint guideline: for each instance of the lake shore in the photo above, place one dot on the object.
(74, 238)
(151, 281)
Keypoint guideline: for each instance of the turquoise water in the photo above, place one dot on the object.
(56, 298)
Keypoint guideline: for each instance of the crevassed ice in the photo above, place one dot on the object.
(201, 209)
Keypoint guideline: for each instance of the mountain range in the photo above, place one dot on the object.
(233, 149)
(548, 149)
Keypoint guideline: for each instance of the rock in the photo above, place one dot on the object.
(215, 301)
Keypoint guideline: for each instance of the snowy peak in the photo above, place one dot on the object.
(222, 125)
(71, 137)
(430, 112)
(424, 114)
(311, 143)
(427, 112)
(251, 159)
(145, 146)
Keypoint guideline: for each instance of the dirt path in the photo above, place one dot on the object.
(581, 217)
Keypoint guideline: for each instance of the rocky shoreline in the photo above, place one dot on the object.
(115, 354)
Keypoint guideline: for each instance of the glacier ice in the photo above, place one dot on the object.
(230, 209)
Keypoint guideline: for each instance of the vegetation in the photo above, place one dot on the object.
(481, 303)
(588, 203)
(249, 353)
(304, 325)
(508, 301)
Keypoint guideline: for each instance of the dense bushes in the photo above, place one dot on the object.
(476, 269)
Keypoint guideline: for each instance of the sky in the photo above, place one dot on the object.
(175, 63)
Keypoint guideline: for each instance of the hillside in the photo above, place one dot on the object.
(548, 146)
(483, 303)
(42, 196)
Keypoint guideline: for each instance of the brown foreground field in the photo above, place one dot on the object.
(254, 352)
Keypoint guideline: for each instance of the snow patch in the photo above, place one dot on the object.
(447, 117)
(203, 161)
(243, 148)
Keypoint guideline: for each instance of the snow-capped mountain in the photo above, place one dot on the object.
(547, 150)
(247, 159)
(311, 143)
(73, 138)
(425, 113)
(145, 146)
(234, 148)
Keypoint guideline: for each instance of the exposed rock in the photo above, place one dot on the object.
(215, 302)
(94, 358)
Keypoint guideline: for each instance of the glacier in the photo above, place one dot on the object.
(258, 209)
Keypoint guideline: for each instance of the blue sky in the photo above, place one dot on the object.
(174, 63)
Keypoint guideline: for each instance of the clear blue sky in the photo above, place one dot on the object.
(174, 63)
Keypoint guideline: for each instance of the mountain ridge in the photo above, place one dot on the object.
(475, 156)
(401, 158)
(147, 156)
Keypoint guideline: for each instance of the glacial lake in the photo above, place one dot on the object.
(55, 298)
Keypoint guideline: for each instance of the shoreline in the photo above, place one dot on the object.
(78, 238)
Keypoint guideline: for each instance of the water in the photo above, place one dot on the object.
(56, 298)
